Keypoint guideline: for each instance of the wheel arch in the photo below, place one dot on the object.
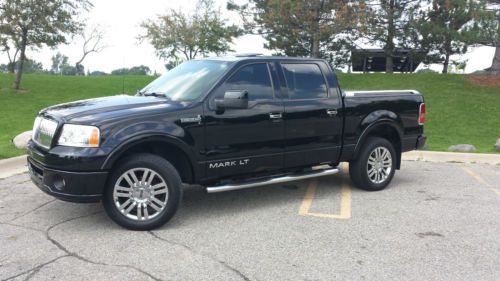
(385, 128)
(165, 146)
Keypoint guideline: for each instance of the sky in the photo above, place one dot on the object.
(121, 20)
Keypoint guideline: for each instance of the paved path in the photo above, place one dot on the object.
(435, 222)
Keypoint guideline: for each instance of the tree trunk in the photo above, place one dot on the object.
(446, 63)
(315, 46)
(22, 57)
(11, 67)
(389, 44)
(389, 63)
(495, 64)
(316, 35)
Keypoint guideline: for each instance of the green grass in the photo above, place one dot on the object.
(18, 110)
(457, 111)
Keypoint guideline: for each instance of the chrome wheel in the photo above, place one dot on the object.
(379, 165)
(140, 194)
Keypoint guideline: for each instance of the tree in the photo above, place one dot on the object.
(444, 28)
(32, 66)
(98, 73)
(486, 31)
(315, 28)
(92, 43)
(61, 66)
(11, 47)
(389, 25)
(29, 66)
(58, 61)
(39, 22)
(136, 70)
(69, 70)
(178, 34)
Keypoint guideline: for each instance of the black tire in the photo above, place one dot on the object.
(172, 198)
(359, 168)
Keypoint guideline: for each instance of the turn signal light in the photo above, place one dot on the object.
(94, 137)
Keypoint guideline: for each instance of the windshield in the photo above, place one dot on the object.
(188, 80)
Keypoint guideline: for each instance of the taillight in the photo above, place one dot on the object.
(421, 114)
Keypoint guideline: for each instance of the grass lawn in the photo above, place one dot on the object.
(457, 111)
(18, 110)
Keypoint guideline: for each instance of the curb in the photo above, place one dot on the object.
(447, 157)
(17, 165)
(13, 166)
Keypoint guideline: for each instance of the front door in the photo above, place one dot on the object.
(249, 140)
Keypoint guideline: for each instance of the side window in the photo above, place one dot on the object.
(304, 81)
(253, 78)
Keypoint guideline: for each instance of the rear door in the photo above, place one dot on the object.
(250, 140)
(313, 122)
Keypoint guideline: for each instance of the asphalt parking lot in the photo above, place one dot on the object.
(434, 222)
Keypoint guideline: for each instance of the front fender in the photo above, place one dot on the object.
(167, 132)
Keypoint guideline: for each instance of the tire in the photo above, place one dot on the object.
(143, 192)
(377, 176)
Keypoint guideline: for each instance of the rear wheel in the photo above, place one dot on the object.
(143, 193)
(374, 168)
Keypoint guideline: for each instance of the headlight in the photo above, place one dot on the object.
(79, 136)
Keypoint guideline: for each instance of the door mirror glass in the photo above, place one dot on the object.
(233, 100)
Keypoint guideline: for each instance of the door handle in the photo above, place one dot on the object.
(275, 115)
(331, 112)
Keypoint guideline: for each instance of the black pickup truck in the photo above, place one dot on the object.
(224, 124)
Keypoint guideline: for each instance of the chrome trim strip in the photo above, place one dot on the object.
(248, 184)
(353, 93)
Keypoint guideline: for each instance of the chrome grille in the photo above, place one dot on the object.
(43, 131)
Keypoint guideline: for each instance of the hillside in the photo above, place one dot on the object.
(458, 111)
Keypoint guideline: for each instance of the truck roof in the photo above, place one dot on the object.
(244, 57)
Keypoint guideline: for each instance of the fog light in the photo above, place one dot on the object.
(58, 182)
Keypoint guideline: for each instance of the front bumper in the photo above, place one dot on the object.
(68, 186)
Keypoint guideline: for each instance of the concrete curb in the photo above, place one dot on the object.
(446, 157)
(13, 166)
(17, 165)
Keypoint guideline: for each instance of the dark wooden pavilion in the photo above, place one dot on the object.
(373, 60)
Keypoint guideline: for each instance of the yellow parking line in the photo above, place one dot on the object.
(345, 202)
(481, 180)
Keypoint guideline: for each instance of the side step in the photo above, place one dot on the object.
(287, 178)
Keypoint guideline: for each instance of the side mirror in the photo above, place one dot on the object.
(233, 99)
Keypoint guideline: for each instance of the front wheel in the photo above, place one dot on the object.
(143, 193)
(374, 168)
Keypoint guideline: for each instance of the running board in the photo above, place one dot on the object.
(287, 178)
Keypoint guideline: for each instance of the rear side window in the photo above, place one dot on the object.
(304, 81)
(254, 78)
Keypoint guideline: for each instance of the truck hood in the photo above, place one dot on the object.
(97, 106)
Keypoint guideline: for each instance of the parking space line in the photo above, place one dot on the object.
(345, 202)
(481, 180)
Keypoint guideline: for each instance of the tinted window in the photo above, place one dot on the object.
(253, 78)
(304, 81)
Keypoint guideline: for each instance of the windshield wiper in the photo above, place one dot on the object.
(153, 94)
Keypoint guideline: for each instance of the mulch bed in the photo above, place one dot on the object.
(484, 80)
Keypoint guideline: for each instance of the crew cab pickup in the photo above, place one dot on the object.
(222, 124)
